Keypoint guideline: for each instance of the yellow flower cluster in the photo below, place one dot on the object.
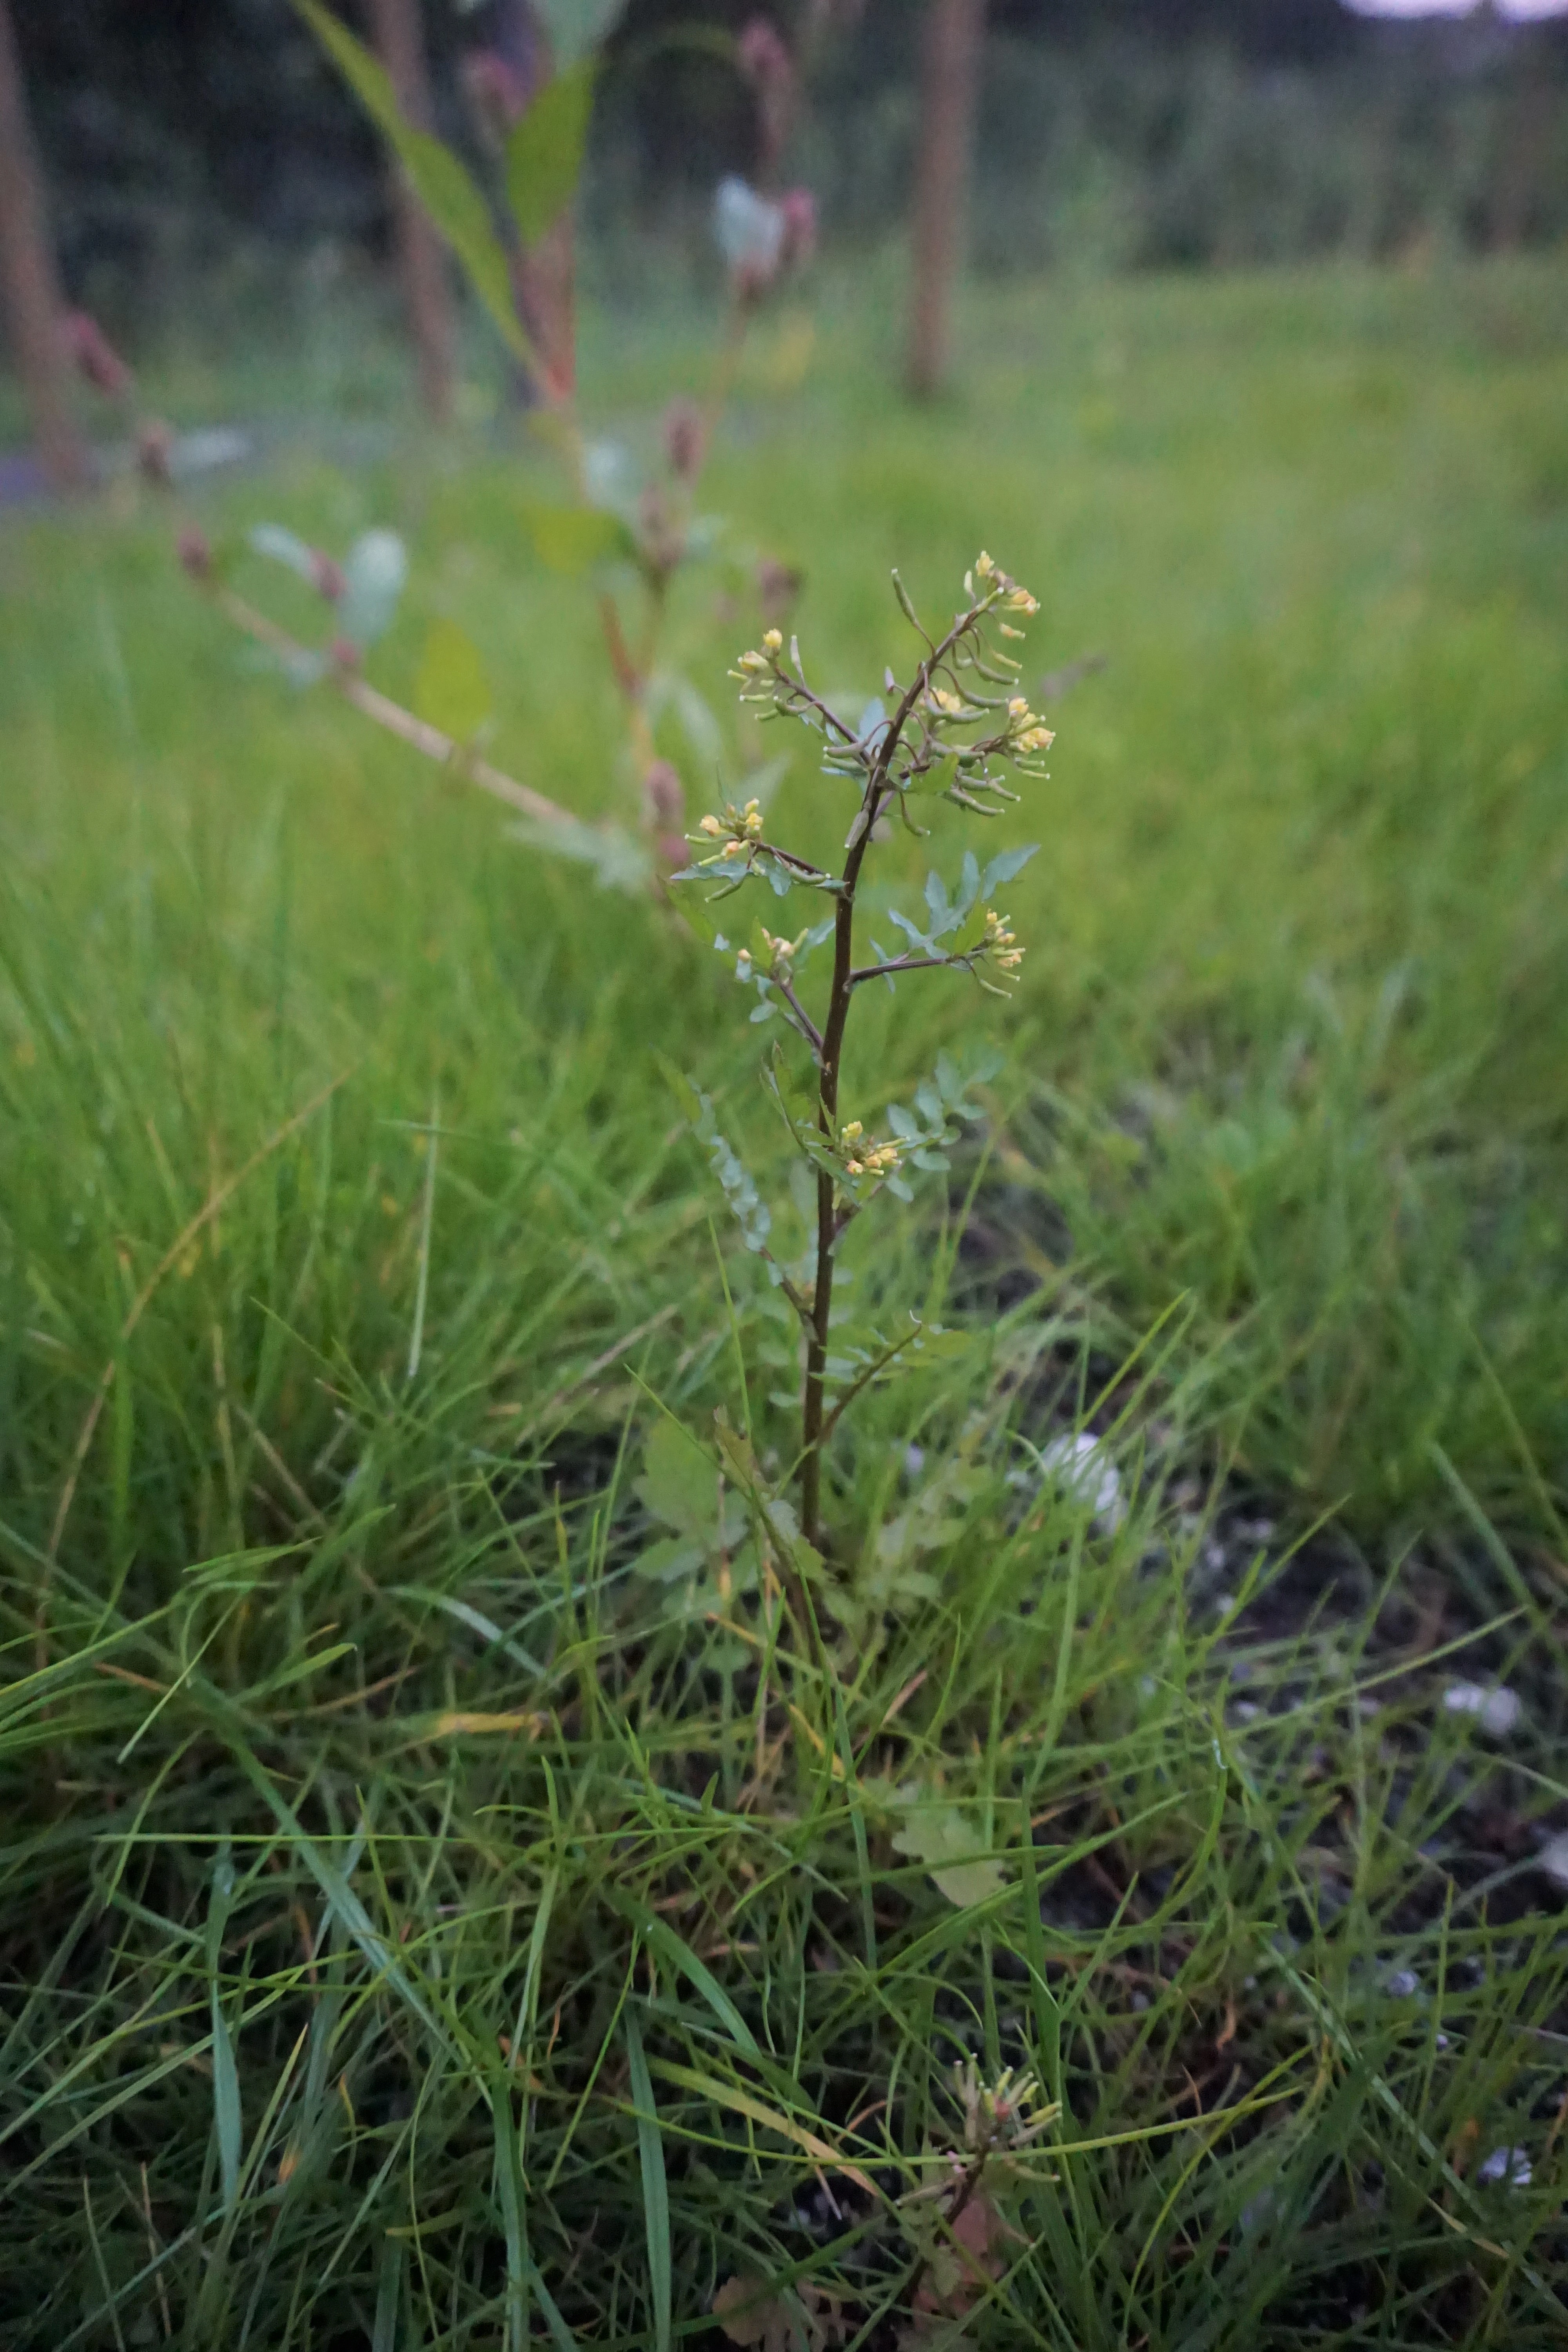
(1001, 942)
(991, 581)
(738, 828)
(947, 704)
(752, 665)
(866, 1159)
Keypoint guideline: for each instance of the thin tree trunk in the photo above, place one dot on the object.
(949, 74)
(28, 284)
(1531, 121)
(400, 43)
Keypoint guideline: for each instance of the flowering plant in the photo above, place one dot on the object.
(955, 732)
(626, 537)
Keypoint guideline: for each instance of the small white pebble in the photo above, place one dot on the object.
(1403, 1983)
(914, 1460)
(1223, 1603)
(1497, 1710)
(1441, 2040)
(1246, 1710)
(1139, 2001)
(1509, 2164)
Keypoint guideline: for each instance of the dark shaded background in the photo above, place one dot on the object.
(1123, 132)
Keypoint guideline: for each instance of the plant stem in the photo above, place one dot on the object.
(844, 981)
(827, 1219)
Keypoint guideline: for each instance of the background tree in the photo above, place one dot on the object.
(399, 37)
(950, 73)
(31, 288)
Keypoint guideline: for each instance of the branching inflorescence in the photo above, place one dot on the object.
(954, 732)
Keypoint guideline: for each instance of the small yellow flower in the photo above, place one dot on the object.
(1020, 601)
(752, 661)
(942, 699)
(711, 828)
(751, 817)
(1018, 707)
(855, 1168)
(851, 1129)
(734, 849)
(774, 641)
(983, 565)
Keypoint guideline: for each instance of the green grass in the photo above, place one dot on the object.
(335, 2017)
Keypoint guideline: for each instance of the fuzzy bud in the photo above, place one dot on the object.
(196, 554)
(154, 453)
(664, 797)
(684, 440)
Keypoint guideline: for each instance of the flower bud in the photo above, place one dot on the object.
(195, 549)
(684, 439)
(154, 453)
(664, 797)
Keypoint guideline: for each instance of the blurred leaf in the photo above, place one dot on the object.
(576, 26)
(667, 690)
(545, 153)
(457, 209)
(971, 931)
(1011, 862)
(619, 861)
(680, 1485)
(941, 1837)
(375, 572)
(573, 539)
(691, 1103)
(285, 547)
(940, 777)
(451, 690)
(668, 1559)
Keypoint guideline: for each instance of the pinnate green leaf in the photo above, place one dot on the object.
(941, 1837)
(573, 539)
(680, 1484)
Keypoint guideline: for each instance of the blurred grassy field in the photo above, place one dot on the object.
(1293, 1035)
(1288, 1068)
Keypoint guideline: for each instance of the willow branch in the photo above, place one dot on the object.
(416, 732)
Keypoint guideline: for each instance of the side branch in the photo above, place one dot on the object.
(910, 964)
(418, 732)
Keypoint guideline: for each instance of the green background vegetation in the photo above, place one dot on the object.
(1286, 1072)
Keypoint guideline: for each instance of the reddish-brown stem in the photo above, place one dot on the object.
(878, 790)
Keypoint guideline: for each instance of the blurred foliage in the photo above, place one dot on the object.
(1129, 135)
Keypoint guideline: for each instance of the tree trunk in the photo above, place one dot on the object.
(402, 49)
(28, 284)
(950, 73)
